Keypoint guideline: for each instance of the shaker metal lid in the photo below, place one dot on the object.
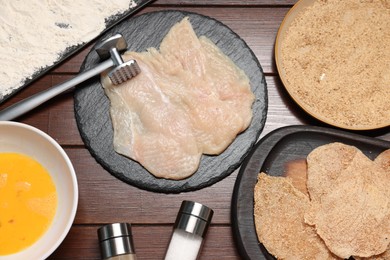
(194, 218)
(114, 230)
(196, 209)
(115, 239)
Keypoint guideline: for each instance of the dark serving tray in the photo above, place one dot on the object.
(271, 155)
(92, 105)
(110, 22)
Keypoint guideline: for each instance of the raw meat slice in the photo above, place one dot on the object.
(383, 159)
(216, 93)
(353, 215)
(150, 130)
(324, 165)
(189, 99)
(279, 210)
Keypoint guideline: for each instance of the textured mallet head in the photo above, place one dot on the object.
(122, 71)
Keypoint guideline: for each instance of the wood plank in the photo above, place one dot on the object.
(150, 242)
(100, 192)
(282, 111)
(57, 116)
(225, 3)
(279, 113)
(73, 63)
(39, 117)
(105, 199)
(257, 26)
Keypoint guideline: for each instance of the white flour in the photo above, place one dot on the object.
(34, 33)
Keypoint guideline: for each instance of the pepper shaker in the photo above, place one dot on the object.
(116, 242)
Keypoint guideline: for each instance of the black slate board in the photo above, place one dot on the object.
(92, 106)
(110, 22)
(270, 155)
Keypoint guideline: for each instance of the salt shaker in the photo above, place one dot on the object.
(189, 230)
(116, 242)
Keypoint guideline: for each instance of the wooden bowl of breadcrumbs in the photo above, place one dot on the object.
(333, 58)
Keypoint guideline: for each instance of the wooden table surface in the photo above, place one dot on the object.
(104, 199)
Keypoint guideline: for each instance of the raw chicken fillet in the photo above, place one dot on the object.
(189, 99)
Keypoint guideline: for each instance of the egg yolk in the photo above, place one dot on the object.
(28, 202)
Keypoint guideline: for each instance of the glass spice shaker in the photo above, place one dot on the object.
(189, 230)
(116, 242)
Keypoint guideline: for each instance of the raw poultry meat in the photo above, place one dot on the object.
(189, 99)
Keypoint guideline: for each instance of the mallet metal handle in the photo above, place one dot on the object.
(32, 102)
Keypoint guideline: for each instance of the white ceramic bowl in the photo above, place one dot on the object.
(25, 139)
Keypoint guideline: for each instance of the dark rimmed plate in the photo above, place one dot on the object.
(142, 32)
(271, 155)
(110, 22)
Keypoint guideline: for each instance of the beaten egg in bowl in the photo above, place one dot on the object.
(27, 195)
(38, 193)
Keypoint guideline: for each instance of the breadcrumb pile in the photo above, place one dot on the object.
(336, 58)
